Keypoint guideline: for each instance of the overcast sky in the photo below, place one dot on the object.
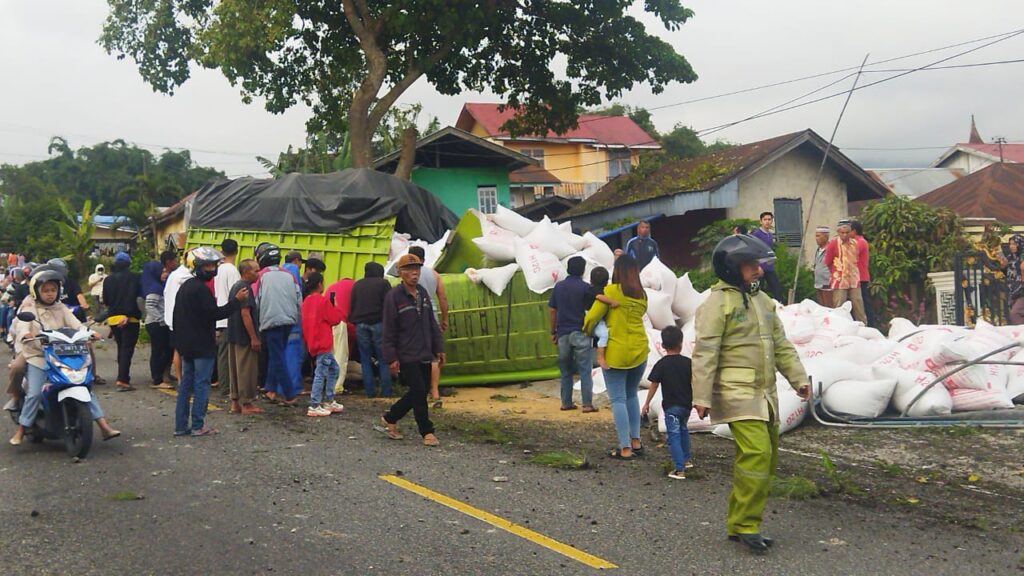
(58, 81)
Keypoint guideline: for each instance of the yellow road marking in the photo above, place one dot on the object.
(498, 522)
(209, 407)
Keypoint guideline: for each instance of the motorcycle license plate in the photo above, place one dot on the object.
(64, 349)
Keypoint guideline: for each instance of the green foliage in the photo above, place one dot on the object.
(785, 268)
(129, 180)
(709, 236)
(76, 233)
(908, 240)
(683, 143)
(794, 488)
(785, 263)
(841, 481)
(350, 61)
(560, 459)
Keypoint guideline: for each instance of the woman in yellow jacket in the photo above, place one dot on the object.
(740, 344)
(626, 354)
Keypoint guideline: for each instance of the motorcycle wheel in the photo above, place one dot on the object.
(78, 436)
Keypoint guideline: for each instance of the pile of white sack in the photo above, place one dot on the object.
(400, 244)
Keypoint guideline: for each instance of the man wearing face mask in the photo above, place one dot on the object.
(740, 344)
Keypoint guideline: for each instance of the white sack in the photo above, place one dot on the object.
(540, 268)
(987, 377)
(575, 240)
(512, 221)
(659, 277)
(867, 398)
(598, 251)
(496, 279)
(547, 237)
(909, 383)
(399, 245)
(900, 327)
(965, 400)
(597, 375)
(496, 250)
(828, 370)
(863, 352)
(659, 309)
(1015, 383)
(687, 299)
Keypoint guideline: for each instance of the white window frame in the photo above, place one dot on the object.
(487, 198)
(535, 153)
(620, 161)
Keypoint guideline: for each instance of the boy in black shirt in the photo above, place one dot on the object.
(674, 374)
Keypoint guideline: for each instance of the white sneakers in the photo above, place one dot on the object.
(317, 411)
(325, 409)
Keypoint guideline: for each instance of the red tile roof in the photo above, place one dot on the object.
(604, 130)
(996, 191)
(1011, 152)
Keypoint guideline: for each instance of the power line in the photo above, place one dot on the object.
(720, 127)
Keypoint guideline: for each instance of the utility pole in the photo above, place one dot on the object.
(1000, 140)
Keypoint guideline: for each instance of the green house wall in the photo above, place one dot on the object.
(456, 187)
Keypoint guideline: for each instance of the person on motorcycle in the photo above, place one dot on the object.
(43, 301)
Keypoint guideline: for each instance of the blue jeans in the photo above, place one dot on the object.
(325, 376)
(369, 338)
(575, 354)
(279, 378)
(194, 388)
(622, 386)
(678, 434)
(34, 398)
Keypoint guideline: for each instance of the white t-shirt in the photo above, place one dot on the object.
(226, 277)
(174, 281)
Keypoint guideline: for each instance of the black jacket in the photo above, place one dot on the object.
(195, 319)
(411, 333)
(367, 300)
(121, 291)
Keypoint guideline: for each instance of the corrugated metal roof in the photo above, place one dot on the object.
(996, 191)
(914, 182)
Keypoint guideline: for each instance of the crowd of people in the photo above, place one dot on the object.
(265, 328)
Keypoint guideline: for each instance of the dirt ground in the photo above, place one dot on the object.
(966, 476)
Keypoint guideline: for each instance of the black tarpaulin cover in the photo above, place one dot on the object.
(321, 203)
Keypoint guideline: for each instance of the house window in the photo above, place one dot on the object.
(549, 191)
(619, 162)
(789, 217)
(535, 153)
(487, 199)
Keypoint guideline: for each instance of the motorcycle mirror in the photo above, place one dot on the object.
(26, 316)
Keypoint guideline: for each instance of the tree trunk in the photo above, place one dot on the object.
(360, 139)
(408, 157)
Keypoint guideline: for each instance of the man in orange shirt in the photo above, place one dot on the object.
(863, 260)
(841, 259)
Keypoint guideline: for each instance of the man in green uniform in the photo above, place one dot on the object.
(740, 344)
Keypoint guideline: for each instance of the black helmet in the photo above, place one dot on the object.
(735, 250)
(268, 254)
(43, 274)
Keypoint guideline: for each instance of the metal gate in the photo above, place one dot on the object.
(980, 289)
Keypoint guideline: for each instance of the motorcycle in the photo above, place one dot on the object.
(64, 412)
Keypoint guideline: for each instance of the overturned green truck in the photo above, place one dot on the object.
(350, 217)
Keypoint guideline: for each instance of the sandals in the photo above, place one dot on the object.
(204, 431)
(431, 440)
(122, 387)
(617, 455)
(113, 434)
(569, 407)
(391, 430)
(589, 409)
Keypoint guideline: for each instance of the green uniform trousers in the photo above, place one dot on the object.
(757, 454)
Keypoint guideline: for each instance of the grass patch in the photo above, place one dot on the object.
(978, 523)
(125, 496)
(561, 459)
(841, 481)
(486, 431)
(890, 468)
(794, 488)
(503, 398)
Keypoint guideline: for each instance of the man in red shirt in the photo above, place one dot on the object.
(863, 260)
(340, 293)
(841, 259)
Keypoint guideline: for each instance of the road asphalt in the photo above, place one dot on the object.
(287, 494)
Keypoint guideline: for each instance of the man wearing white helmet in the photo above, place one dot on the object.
(195, 318)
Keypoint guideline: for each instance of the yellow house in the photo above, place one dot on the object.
(171, 225)
(573, 165)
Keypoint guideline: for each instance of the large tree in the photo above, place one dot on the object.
(351, 60)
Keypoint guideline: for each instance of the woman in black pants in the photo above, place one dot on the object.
(121, 291)
(154, 275)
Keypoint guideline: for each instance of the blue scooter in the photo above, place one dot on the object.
(64, 413)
